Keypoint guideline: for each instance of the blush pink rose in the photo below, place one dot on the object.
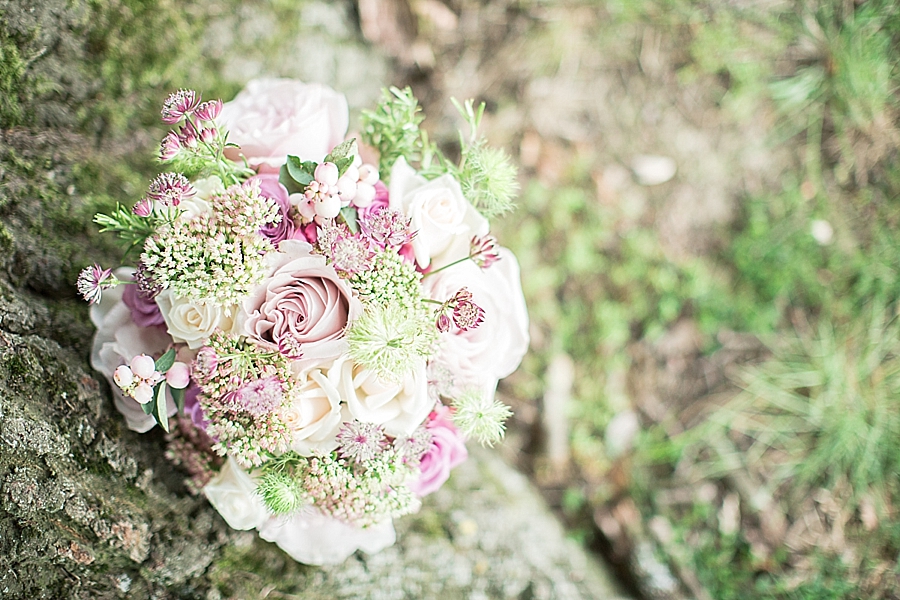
(446, 452)
(273, 118)
(303, 302)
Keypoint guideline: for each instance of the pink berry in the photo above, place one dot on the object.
(178, 376)
(123, 376)
(143, 393)
(143, 366)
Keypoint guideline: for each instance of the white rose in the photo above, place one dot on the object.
(445, 221)
(193, 322)
(399, 408)
(314, 414)
(233, 493)
(481, 356)
(315, 539)
(117, 341)
(273, 118)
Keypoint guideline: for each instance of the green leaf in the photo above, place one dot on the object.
(343, 164)
(343, 150)
(285, 179)
(165, 362)
(161, 414)
(178, 396)
(300, 171)
(148, 407)
(350, 215)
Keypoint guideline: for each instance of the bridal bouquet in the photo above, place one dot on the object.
(318, 336)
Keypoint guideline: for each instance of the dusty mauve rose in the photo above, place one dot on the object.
(144, 310)
(303, 301)
(273, 118)
(480, 356)
(269, 187)
(446, 452)
(444, 221)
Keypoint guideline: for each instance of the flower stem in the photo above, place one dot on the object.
(455, 262)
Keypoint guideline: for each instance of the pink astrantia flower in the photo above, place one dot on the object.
(351, 254)
(205, 364)
(169, 189)
(446, 452)
(484, 250)
(387, 228)
(208, 111)
(143, 207)
(93, 280)
(258, 397)
(169, 147)
(361, 442)
(179, 105)
(466, 314)
(208, 135)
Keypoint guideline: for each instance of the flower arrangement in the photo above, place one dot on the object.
(317, 339)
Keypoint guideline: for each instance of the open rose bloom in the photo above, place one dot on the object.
(318, 340)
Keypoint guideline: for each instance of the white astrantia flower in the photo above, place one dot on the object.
(233, 494)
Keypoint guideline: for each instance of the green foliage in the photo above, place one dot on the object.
(486, 174)
(392, 128)
(12, 85)
(828, 405)
(131, 229)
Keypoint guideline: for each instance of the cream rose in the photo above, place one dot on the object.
(444, 220)
(481, 356)
(399, 408)
(315, 539)
(303, 302)
(233, 493)
(273, 118)
(193, 322)
(314, 414)
(117, 341)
